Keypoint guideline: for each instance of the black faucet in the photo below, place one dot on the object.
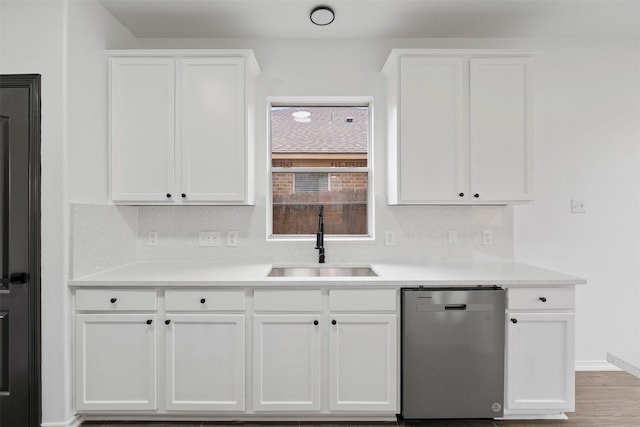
(320, 234)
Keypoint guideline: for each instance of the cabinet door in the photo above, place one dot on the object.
(116, 361)
(211, 129)
(204, 360)
(540, 361)
(501, 129)
(286, 362)
(142, 129)
(363, 362)
(431, 129)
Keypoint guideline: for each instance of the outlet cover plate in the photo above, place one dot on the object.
(209, 238)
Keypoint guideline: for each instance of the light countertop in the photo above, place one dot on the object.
(626, 360)
(498, 273)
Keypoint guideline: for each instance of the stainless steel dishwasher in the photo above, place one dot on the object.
(453, 352)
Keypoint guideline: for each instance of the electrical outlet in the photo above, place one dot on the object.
(487, 237)
(390, 238)
(453, 237)
(232, 238)
(152, 238)
(578, 206)
(209, 238)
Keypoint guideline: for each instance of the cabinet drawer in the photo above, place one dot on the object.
(300, 300)
(540, 298)
(362, 300)
(116, 300)
(204, 300)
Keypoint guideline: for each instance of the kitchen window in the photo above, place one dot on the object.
(320, 156)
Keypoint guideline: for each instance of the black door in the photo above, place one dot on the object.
(20, 250)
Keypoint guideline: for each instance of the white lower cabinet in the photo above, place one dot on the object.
(329, 360)
(540, 375)
(363, 362)
(204, 362)
(116, 361)
(311, 351)
(286, 362)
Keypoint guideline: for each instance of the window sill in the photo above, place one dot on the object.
(312, 238)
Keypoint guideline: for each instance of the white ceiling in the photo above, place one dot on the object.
(378, 18)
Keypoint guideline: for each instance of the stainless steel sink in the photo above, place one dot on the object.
(322, 271)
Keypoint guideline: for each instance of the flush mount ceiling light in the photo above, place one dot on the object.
(322, 15)
(301, 116)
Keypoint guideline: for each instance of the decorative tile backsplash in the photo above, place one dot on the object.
(102, 237)
(105, 236)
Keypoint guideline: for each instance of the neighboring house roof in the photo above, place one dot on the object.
(325, 130)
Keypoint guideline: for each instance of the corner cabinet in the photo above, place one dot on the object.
(459, 127)
(540, 369)
(181, 127)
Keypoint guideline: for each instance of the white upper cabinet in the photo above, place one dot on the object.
(142, 129)
(460, 127)
(500, 129)
(182, 127)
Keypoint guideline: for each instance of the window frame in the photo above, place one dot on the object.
(322, 101)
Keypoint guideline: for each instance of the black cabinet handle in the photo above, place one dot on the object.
(168, 195)
(461, 194)
(333, 322)
(476, 195)
(184, 195)
(202, 300)
(315, 322)
(543, 299)
(514, 320)
(113, 300)
(166, 322)
(149, 322)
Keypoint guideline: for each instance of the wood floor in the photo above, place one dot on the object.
(603, 399)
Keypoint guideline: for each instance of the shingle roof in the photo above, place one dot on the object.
(327, 130)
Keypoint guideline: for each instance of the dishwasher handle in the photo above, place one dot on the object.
(455, 306)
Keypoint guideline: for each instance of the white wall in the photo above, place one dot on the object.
(24, 50)
(91, 30)
(587, 147)
(64, 42)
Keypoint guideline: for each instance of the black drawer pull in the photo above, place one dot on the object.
(333, 322)
(166, 322)
(315, 322)
(113, 300)
(202, 300)
(514, 321)
(543, 299)
(455, 307)
(149, 322)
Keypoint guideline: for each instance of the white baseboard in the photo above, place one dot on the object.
(75, 421)
(595, 365)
